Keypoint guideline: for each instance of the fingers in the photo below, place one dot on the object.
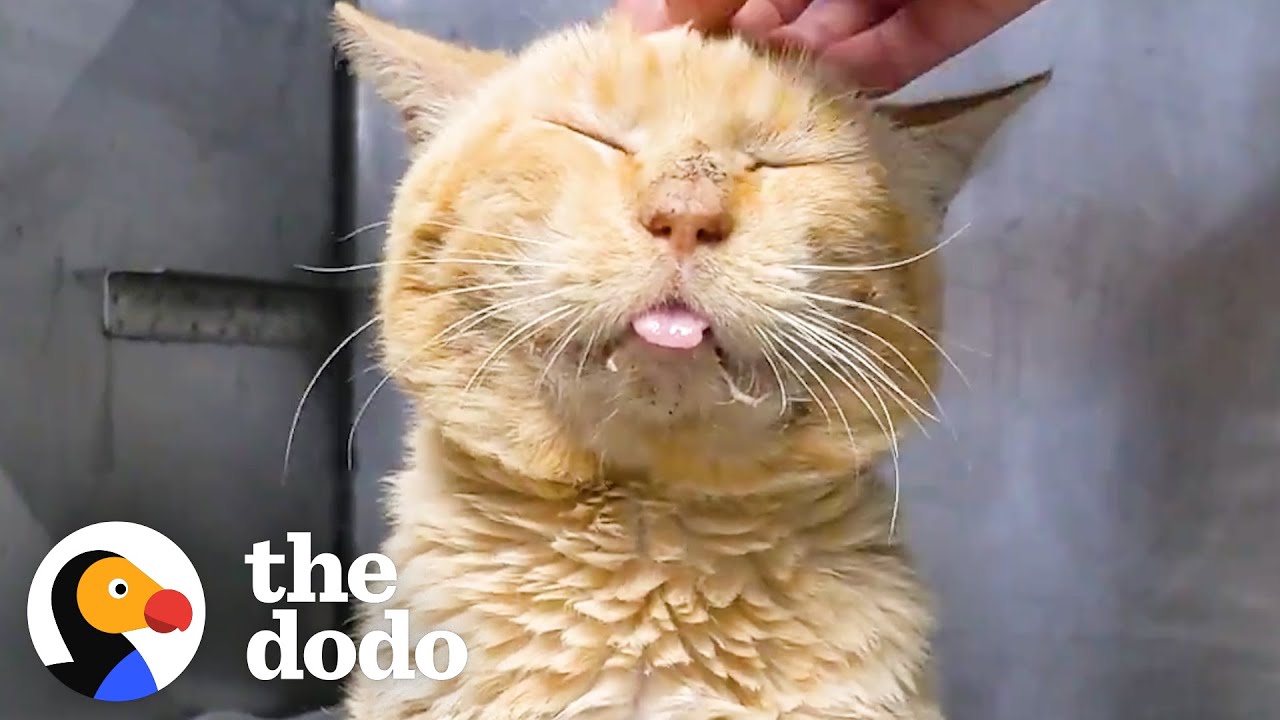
(758, 17)
(703, 14)
(916, 38)
(827, 21)
(650, 15)
(879, 45)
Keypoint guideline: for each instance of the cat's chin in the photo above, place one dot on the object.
(680, 369)
(658, 384)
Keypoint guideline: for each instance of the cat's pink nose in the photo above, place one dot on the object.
(686, 214)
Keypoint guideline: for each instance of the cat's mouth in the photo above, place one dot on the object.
(672, 325)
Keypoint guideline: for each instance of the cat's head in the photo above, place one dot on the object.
(661, 253)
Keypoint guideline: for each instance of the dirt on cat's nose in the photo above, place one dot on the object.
(686, 213)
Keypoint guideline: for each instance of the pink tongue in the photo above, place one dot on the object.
(671, 327)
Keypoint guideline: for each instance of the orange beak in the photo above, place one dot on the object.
(167, 610)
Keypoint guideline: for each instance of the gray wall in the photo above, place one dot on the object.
(146, 134)
(1101, 527)
(1104, 530)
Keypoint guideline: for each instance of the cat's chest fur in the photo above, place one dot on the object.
(620, 603)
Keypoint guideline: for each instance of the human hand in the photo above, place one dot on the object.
(878, 45)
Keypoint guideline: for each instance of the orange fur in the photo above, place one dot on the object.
(622, 536)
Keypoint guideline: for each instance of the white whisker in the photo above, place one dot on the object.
(872, 363)
(884, 266)
(466, 323)
(844, 420)
(297, 413)
(881, 311)
(363, 229)
(586, 351)
(489, 233)
(933, 397)
(562, 342)
(835, 347)
(777, 375)
(530, 327)
(355, 423)
(846, 381)
(890, 432)
(429, 261)
(772, 342)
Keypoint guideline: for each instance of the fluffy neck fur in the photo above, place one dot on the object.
(619, 602)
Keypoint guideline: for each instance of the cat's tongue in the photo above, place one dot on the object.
(673, 326)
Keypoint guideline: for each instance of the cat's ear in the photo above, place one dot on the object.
(949, 133)
(421, 76)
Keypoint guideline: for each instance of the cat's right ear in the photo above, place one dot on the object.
(421, 76)
(949, 133)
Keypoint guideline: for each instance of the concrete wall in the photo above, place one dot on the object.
(143, 134)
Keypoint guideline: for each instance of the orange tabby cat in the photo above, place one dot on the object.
(659, 302)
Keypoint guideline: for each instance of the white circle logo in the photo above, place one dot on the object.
(116, 611)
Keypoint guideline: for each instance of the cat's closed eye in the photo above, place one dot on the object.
(759, 163)
(596, 137)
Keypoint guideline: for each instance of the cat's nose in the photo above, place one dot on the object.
(686, 214)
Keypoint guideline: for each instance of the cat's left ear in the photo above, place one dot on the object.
(423, 77)
(948, 134)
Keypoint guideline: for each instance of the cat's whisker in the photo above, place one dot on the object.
(562, 342)
(297, 413)
(890, 432)
(440, 335)
(355, 423)
(428, 261)
(911, 367)
(785, 342)
(846, 381)
(835, 347)
(883, 266)
(529, 328)
(844, 420)
(457, 328)
(776, 342)
(362, 229)
(881, 311)
(488, 233)
(586, 351)
(767, 351)
(872, 362)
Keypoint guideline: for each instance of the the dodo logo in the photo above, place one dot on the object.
(116, 611)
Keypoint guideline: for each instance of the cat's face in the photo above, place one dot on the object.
(660, 253)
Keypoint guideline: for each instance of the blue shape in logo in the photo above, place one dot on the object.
(130, 679)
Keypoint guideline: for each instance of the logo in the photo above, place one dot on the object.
(368, 656)
(116, 611)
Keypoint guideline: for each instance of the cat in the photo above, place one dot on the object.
(659, 301)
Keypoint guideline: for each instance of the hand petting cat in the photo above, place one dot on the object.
(879, 45)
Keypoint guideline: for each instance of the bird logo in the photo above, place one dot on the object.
(116, 611)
